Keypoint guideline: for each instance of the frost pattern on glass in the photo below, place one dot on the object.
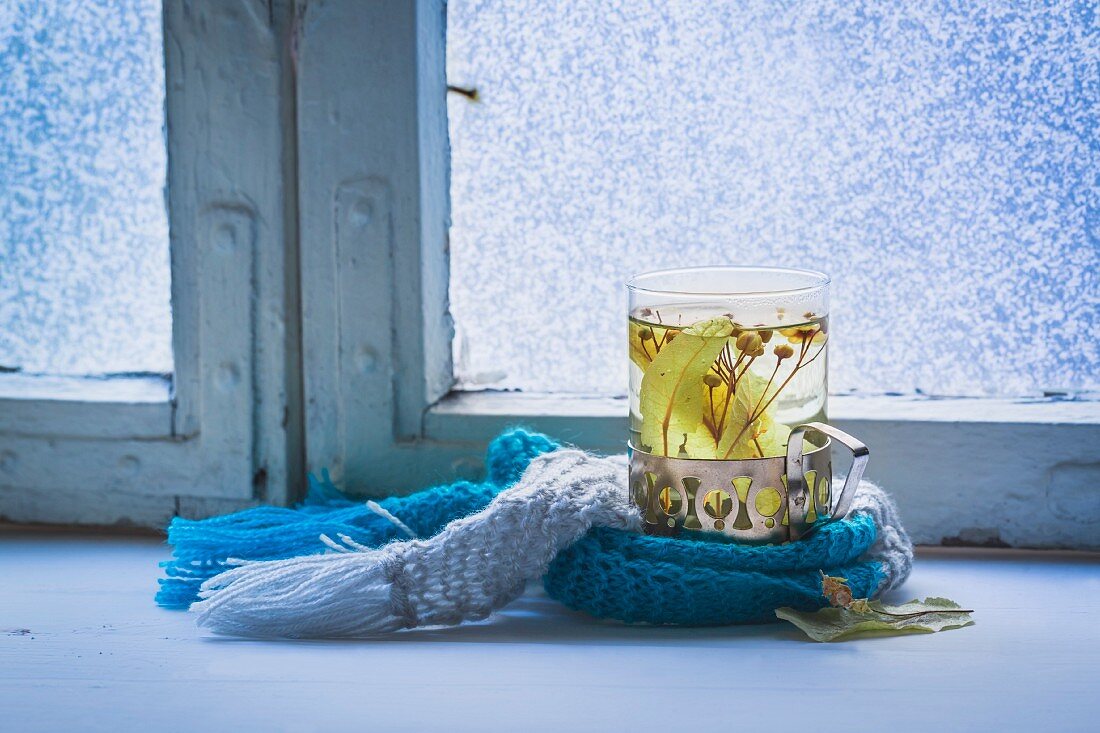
(941, 163)
(84, 272)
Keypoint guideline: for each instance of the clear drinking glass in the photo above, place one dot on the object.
(724, 361)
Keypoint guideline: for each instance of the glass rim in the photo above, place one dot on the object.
(822, 279)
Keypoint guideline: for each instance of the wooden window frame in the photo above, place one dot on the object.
(380, 410)
(325, 123)
(224, 431)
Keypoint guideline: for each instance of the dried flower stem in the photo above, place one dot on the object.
(758, 410)
(914, 614)
(732, 390)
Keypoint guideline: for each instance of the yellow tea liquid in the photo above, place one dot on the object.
(707, 386)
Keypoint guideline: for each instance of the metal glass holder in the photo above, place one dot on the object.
(756, 500)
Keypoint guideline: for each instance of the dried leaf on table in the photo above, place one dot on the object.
(914, 617)
(847, 617)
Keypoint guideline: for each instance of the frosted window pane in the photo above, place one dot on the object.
(84, 273)
(940, 163)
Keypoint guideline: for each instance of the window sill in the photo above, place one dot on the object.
(967, 471)
(131, 389)
(97, 664)
(86, 407)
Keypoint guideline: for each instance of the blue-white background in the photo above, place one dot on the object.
(939, 159)
(84, 276)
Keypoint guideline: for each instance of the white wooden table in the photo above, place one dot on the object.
(83, 648)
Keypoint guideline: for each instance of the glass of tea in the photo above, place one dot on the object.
(729, 385)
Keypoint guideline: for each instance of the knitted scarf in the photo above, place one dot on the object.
(458, 552)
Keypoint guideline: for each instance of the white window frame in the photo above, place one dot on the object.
(380, 410)
(224, 432)
(326, 123)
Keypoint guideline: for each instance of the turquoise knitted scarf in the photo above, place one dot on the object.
(608, 573)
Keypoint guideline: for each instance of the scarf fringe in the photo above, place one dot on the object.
(202, 547)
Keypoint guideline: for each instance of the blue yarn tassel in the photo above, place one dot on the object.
(201, 547)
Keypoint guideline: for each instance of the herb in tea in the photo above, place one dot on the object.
(717, 389)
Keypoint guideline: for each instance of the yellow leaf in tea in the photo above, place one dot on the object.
(774, 441)
(721, 411)
(739, 438)
(672, 394)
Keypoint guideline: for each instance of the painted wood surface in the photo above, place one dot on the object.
(228, 433)
(82, 647)
(59, 407)
(228, 113)
(372, 139)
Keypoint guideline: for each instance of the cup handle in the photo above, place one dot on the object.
(796, 476)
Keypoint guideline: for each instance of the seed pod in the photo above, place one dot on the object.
(750, 343)
(765, 335)
(783, 351)
(744, 340)
(647, 335)
(712, 380)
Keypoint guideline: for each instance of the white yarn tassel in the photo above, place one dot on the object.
(474, 566)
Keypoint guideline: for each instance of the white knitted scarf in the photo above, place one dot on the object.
(473, 567)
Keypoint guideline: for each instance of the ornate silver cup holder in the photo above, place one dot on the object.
(756, 500)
